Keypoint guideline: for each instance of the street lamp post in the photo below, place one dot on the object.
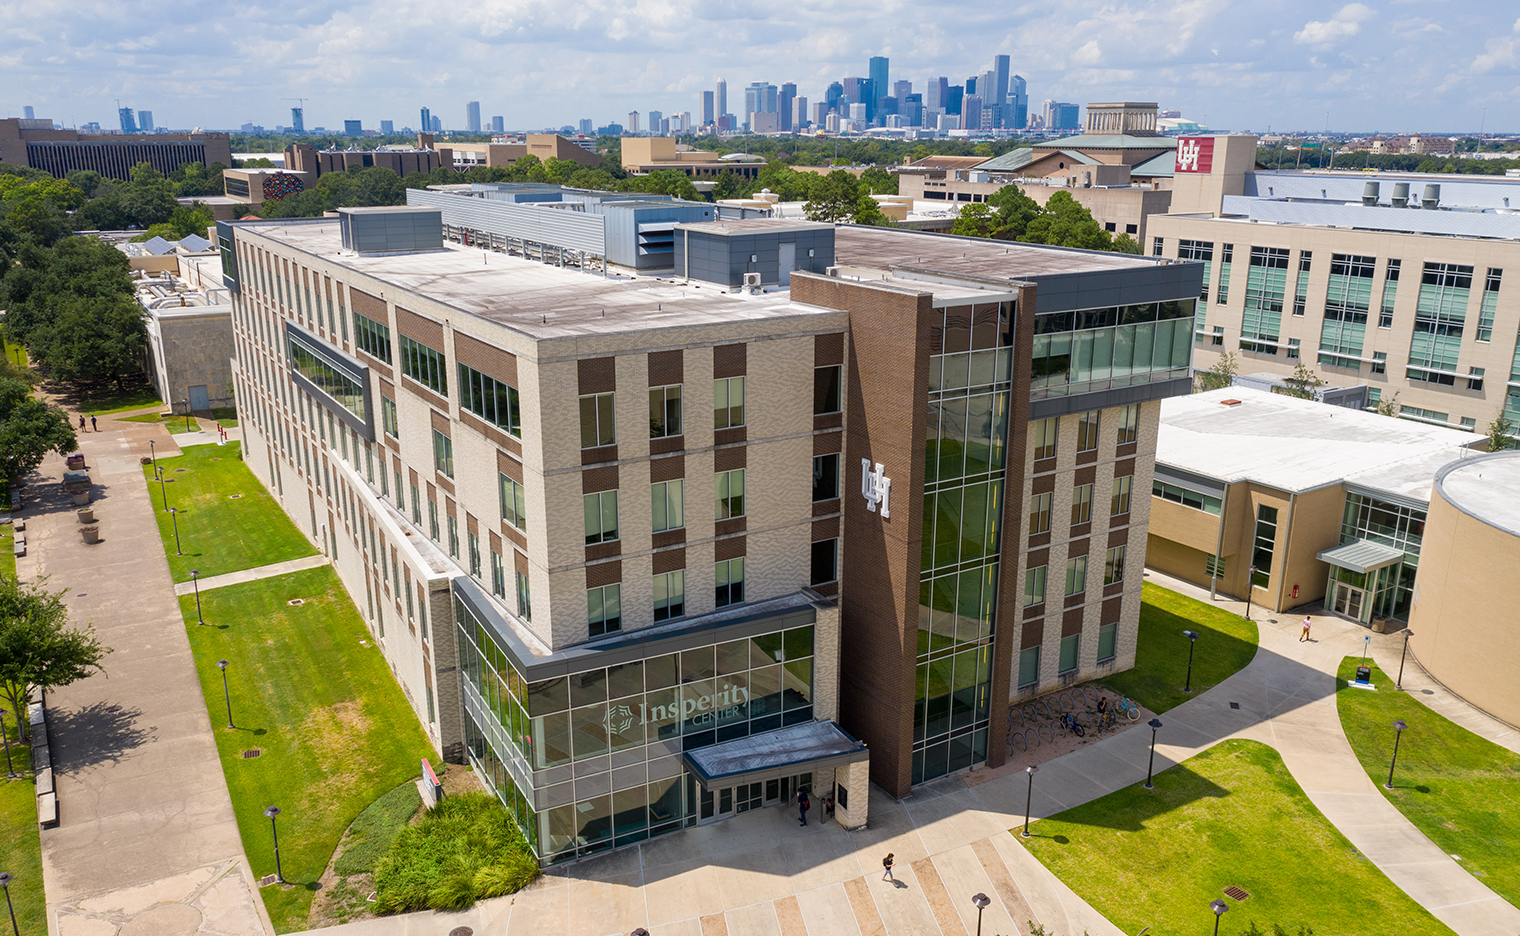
(1029, 797)
(1192, 637)
(187, 414)
(1219, 907)
(1403, 653)
(272, 812)
(153, 453)
(10, 770)
(1155, 724)
(5, 882)
(1398, 732)
(222, 665)
(174, 515)
(1250, 587)
(195, 578)
(982, 902)
(158, 472)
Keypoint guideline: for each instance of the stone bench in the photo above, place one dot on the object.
(47, 810)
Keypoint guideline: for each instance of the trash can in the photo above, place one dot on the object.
(76, 461)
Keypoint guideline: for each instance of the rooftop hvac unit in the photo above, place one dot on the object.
(752, 282)
(1432, 197)
(832, 271)
(1370, 194)
(1401, 194)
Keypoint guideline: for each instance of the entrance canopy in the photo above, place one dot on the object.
(1362, 556)
(806, 748)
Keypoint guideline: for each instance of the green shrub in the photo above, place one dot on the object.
(464, 850)
(376, 829)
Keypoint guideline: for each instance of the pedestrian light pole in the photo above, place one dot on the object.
(1398, 732)
(1192, 637)
(1155, 724)
(1405, 652)
(195, 578)
(273, 812)
(1032, 769)
(10, 770)
(163, 490)
(1250, 587)
(981, 902)
(1219, 907)
(5, 882)
(226, 697)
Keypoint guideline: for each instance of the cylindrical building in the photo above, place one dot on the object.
(1464, 619)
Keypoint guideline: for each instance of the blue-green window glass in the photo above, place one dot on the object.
(310, 360)
(1439, 317)
(1266, 284)
(1301, 284)
(1490, 304)
(1390, 293)
(1120, 346)
(424, 365)
(1397, 525)
(1226, 257)
(1201, 251)
(1347, 301)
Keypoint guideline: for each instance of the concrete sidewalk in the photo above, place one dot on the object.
(1423, 687)
(147, 839)
(251, 575)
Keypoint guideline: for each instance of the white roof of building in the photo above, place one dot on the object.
(1487, 488)
(1299, 445)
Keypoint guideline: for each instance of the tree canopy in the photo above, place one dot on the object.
(39, 649)
(29, 429)
(1010, 214)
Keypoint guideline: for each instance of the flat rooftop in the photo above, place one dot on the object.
(882, 248)
(1298, 445)
(1487, 488)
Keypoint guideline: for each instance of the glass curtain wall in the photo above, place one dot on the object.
(1097, 349)
(1369, 518)
(1438, 321)
(656, 706)
(966, 454)
(1347, 301)
(1266, 284)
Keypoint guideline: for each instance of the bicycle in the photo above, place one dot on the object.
(1128, 708)
(1070, 723)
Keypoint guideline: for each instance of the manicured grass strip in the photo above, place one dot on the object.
(111, 401)
(376, 828)
(227, 417)
(1226, 643)
(334, 730)
(175, 423)
(1462, 791)
(20, 844)
(7, 550)
(465, 849)
(217, 533)
(1232, 815)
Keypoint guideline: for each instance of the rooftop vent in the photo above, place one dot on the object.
(1370, 193)
(1229, 402)
(1400, 195)
(1431, 200)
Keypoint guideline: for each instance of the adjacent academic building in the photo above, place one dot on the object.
(843, 493)
(37, 144)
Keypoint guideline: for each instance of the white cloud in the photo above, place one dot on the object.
(1344, 25)
(1089, 54)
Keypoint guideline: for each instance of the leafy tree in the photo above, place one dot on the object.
(879, 181)
(92, 339)
(39, 650)
(1221, 375)
(835, 197)
(1126, 244)
(1304, 383)
(257, 162)
(1501, 434)
(86, 180)
(976, 220)
(1015, 211)
(1066, 223)
(1388, 406)
(185, 221)
(29, 429)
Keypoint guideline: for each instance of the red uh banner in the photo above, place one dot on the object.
(1195, 154)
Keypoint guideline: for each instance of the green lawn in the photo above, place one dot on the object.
(7, 556)
(1232, 815)
(109, 400)
(333, 727)
(1461, 791)
(217, 533)
(227, 417)
(1226, 643)
(20, 846)
(176, 424)
(16, 354)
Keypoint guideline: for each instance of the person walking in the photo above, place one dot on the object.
(1305, 635)
(81, 422)
(886, 864)
(802, 807)
(92, 425)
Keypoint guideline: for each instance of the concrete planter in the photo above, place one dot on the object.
(91, 533)
(82, 497)
(86, 514)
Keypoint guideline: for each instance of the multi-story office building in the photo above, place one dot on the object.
(387, 127)
(472, 116)
(899, 447)
(128, 119)
(37, 144)
(145, 121)
(353, 128)
(1018, 99)
(1390, 280)
(784, 109)
(633, 121)
(705, 107)
(298, 119)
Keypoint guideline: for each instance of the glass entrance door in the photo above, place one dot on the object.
(1348, 601)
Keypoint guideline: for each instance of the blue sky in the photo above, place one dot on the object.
(1390, 66)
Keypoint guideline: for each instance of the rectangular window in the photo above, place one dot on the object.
(416, 506)
(443, 454)
(598, 427)
(1119, 503)
(1379, 362)
(372, 337)
(424, 365)
(667, 503)
(388, 414)
(524, 598)
(1187, 497)
(1108, 641)
(601, 517)
(1217, 338)
(1469, 423)
(1087, 431)
(1213, 566)
(1440, 315)
(825, 477)
(339, 381)
(1029, 667)
(1348, 300)
(1076, 575)
(1113, 566)
(728, 402)
(1043, 432)
(1490, 304)
(498, 576)
(1226, 256)
(1390, 294)
(1475, 379)
(1158, 245)
(1081, 504)
(1069, 646)
(1129, 423)
(1293, 350)
(1039, 514)
(493, 401)
(730, 488)
(400, 494)
(1266, 284)
(474, 555)
(1034, 586)
(604, 609)
(730, 579)
(1264, 546)
(825, 562)
(1202, 251)
(669, 595)
(453, 538)
(664, 411)
(433, 520)
(1301, 285)
(513, 503)
(827, 393)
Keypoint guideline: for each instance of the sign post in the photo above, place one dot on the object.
(428, 786)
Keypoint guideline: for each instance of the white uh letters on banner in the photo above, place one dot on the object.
(875, 487)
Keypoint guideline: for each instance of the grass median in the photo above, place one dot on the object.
(310, 692)
(227, 520)
(1226, 643)
(20, 843)
(1461, 790)
(1232, 816)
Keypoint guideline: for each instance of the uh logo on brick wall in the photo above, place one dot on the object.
(1195, 154)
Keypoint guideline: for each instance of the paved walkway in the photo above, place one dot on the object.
(1422, 686)
(251, 575)
(761, 875)
(147, 840)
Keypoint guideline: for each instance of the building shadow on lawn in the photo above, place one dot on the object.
(98, 733)
(1131, 808)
